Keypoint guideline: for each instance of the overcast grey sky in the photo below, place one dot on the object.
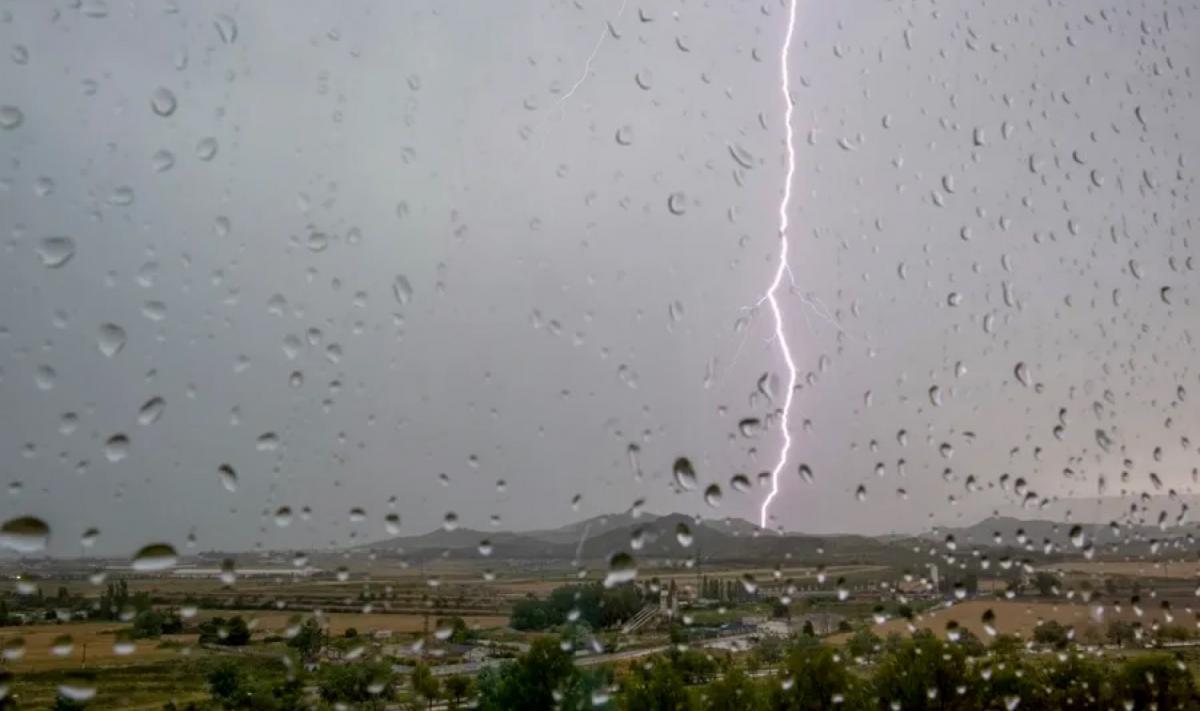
(978, 186)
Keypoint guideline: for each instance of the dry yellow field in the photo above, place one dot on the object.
(1136, 569)
(1020, 618)
(267, 622)
(91, 642)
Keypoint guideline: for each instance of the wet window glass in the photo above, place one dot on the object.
(598, 354)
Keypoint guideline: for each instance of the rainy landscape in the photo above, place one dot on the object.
(599, 354)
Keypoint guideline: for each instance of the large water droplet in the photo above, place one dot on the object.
(156, 556)
(229, 477)
(402, 290)
(1021, 371)
(11, 117)
(151, 411)
(25, 534)
(62, 645)
(163, 102)
(78, 686)
(283, 516)
(44, 377)
(741, 156)
(750, 426)
(685, 475)
(13, 648)
(226, 27)
(622, 568)
(122, 195)
(683, 534)
(116, 448)
(55, 251)
(162, 161)
(206, 148)
(110, 339)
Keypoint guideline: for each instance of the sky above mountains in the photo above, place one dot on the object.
(290, 276)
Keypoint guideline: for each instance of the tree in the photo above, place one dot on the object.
(528, 614)
(1157, 681)
(424, 684)
(654, 686)
(734, 691)
(864, 644)
(456, 629)
(1173, 633)
(594, 604)
(694, 667)
(225, 683)
(1121, 633)
(812, 678)
(769, 650)
(237, 634)
(230, 633)
(1006, 646)
(577, 636)
(969, 584)
(364, 685)
(925, 672)
(580, 691)
(1046, 583)
(308, 640)
(62, 703)
(970, 643)
(1075, 682)
(153, 623)
(530, 682)
(458, 688)
(1052, 633)
(114, 600)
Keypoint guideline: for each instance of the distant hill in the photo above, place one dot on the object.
(589, 527)
(1005, 531)
(648, 537)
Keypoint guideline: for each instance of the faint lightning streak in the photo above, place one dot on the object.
(780, 337)
(587, 65)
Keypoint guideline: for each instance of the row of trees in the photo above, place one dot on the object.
(593, 604)
(725, 590)
(261, 685)
(923, 672)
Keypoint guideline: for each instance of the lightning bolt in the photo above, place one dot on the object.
(587, 65)
(780, 336)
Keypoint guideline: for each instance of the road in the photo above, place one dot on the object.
(589, 660)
